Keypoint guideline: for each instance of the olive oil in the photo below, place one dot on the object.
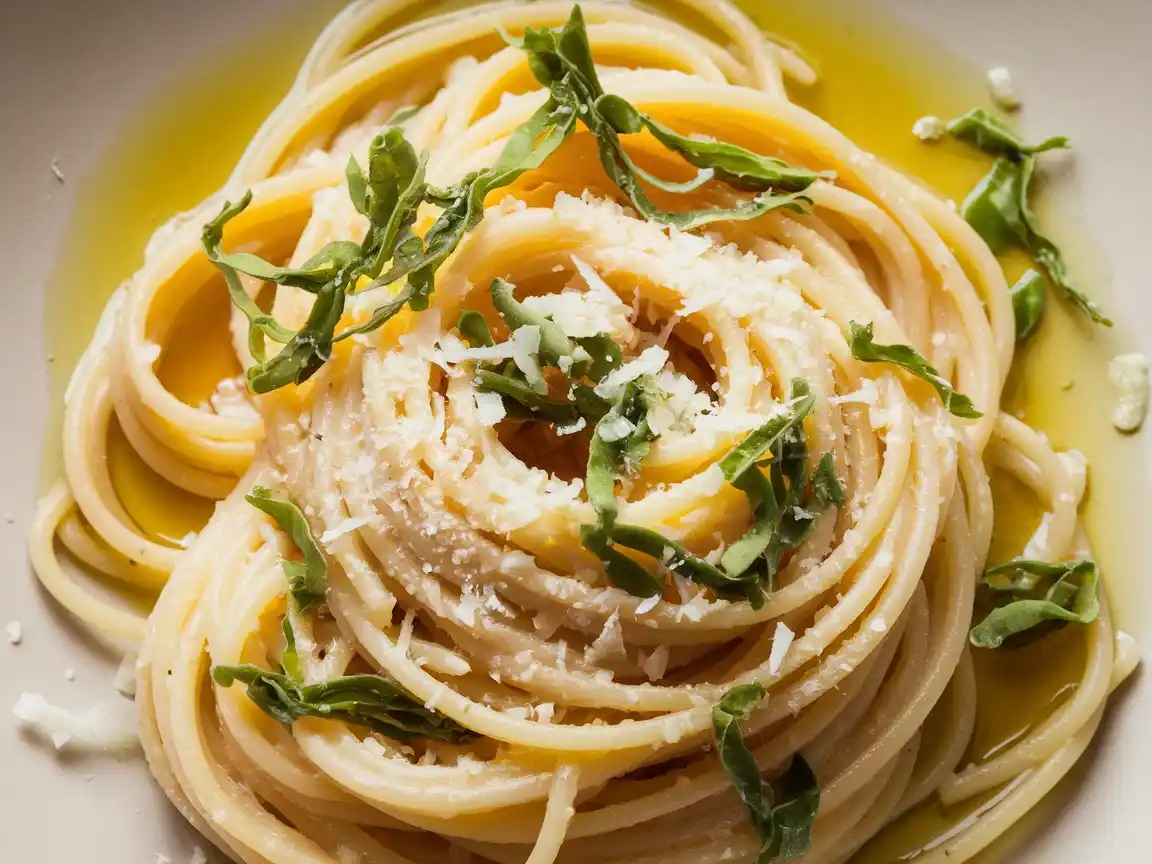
(876, 78)
(179, 149)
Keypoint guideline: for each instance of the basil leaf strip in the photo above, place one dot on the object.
(784, 829)
(559, 413)
(796, 813)
(760, 442)
(1071, 597)
(607, 461)
(554, 343)
(739, 167)
(992, 208)
(562, 62)
(290, 658)
(771, 499)
(313, 273)
(995, 137)
(260, 324)
(1028, 303)
(1046, 254)
(907, 358)
(389, 194)
(998, 209)
(826, 485)
(362, 700)
(307, 579)
(474, 328)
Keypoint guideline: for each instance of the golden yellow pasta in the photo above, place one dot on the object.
(561, 650)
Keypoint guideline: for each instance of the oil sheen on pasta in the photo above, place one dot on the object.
(876, 79)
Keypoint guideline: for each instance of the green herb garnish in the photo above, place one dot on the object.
(1031, 593)
(992, 135)
(307, 579)
(591, 357)
(361, 700)
(997, 208)
(779, 522)
(393, 189)
(389, 194)
(619, 443)
(826, 485)
(554, 343)
(562, 62)
(1028, 303)
(784, 828)
(783, 509)
(907, 358)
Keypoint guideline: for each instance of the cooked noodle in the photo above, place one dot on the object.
(455, 560)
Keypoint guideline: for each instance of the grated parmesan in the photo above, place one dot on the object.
(14, 631)
(1129, 375)
(344, 526)
(657, 664)
(647, 604)
(615, 428)
(650, 361)
(101, 727)
(928, 128)
(609, 645)
(490, 408)
(1003, 90)
(781, 642)
(125, 680)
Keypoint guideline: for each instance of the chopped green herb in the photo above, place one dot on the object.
(554, 343)
(780, 520)
(611, 456)
(778, 523)
(393, 188)
(562, 62)
(992, 208)
(826, 484)
(307, 579)
(361, 700)
(1028, 303)
(784, 829)
(907, 358)
(760, 442)
(677, 559)
(290, 657)
(389, 194)
(995, 137)
(998, 209)
(521, 393)
(474, 329)
(1030, 593)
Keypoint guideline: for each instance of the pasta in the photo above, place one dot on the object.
(450, 526)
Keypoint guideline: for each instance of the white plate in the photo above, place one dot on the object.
(73, 71)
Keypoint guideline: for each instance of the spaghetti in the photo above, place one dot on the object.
(447, 517)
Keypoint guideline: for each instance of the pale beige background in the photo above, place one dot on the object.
(72, 70)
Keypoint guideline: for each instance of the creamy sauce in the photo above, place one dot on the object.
(876, 79)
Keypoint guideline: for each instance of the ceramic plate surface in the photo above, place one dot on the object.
(75, 73)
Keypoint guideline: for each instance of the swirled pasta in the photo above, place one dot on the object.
(572, 715)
